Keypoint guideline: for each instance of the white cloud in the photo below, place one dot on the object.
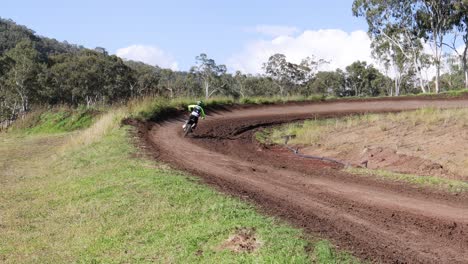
(148, 54)
(337, 46)
(275, 31)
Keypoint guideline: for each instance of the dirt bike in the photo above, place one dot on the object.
(188, 128)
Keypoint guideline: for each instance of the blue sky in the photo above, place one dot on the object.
(240, 34)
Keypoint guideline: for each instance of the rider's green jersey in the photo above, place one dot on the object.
(196, 110)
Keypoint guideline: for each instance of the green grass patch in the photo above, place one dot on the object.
(56, 120)
(427, 181)
(324, 253)
(98, 203)
(456, 93)
(263, 136)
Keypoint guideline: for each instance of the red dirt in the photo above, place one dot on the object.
(376, 220)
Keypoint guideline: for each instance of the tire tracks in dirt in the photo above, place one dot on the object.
(380, 221)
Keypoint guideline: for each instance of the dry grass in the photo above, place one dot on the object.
(428, 181)
(430, 135)
(314, 131)
(103, 126)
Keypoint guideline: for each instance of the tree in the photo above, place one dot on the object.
(191, 85)
(277, 68)
(364, 79)
(459, 21)
(239, 83)
(327, 82)
(101, 50)
(22, 76)
(308, 67)
(117, 77)
(355, 76)
(288, 75)
(260, 86)
(146, 79)
(209, 73)
(381, 84)
(453, 76)
(7, 99)
(5, 64)
(393, 59)
(435, 20)
(394, 29)
(167, 81)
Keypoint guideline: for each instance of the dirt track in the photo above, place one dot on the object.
(380, 221)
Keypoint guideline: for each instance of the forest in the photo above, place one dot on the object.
(41, 71)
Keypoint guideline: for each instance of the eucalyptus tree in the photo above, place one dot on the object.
(209, 73)
(355, 76)
(167, 81)
(277, 69)
(309, 67)
(116, 78)
(8, 100)
(227, 86)
(435, 19)
(22, 75)
(288, 75)
(459, 20)
(239, 83)
(453, 76)
(192, 86)
(365, 79)
(394, 30)
(327, 82)
(393, 60)
(259, 86)
(147, 78)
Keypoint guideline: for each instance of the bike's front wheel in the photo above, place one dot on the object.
(187, 130)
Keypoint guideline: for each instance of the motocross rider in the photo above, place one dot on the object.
(195, 112)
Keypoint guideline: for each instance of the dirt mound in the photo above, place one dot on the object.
(243, 240)
(429, 142)
(378, 221)
(380, 158)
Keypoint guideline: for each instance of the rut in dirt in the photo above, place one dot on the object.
(375, 220)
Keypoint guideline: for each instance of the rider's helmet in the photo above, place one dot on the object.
(200, 103)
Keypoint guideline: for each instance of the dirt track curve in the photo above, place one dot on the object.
(378, 221)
